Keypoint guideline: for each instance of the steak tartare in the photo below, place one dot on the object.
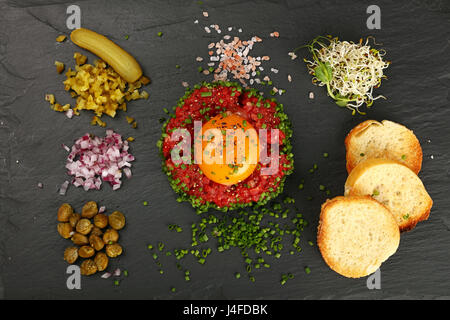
(206, 101)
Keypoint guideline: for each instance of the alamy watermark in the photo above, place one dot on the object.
(240, 147)
(74, 280)
(374, 280)
(374, 20)
(74, 19)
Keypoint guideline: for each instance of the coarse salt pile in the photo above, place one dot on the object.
(232, 59)
(229, 57)
(93, 159)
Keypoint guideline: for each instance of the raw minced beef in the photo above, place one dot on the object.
(261, 113)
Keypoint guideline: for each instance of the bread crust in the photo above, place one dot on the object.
(413, 222)
(354, 175)
(414, 163)
(322, 233)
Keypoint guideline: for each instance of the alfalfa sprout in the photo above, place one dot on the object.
(349, 70)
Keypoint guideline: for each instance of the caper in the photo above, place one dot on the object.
(71, 254)
(100, 221)
(116, 220)
(88, 267)
(84, 226)
(64, 212)
(74, 218)
(113, 250)
(96, 231)
(111, 236)
(101, 260)
(65, 230)
(79, 239)
(96, 242)
(89, 210)
(86, 252)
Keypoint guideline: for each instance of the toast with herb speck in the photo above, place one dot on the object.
(385, 139)
(394, 185)
(356, 235)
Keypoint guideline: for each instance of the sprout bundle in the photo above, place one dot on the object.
(349, 70)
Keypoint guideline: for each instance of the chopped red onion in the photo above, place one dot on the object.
(66, 147)
(63, 188)
(101, 209)
(93, 160)
(69, 113)
(106, 275)
(117, 272)
(40, 185)
(127, 172)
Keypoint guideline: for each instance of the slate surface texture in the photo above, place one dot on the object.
(416, 37)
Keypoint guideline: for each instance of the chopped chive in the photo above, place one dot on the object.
(206, 94)
(246, 231)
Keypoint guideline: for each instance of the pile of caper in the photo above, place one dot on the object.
(86, 230)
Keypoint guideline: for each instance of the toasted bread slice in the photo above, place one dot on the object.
(385, 139)
(356, 235)
(394, 185)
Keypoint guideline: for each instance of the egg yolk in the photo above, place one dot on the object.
(229, 149)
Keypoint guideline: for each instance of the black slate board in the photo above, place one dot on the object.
(414, 33)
